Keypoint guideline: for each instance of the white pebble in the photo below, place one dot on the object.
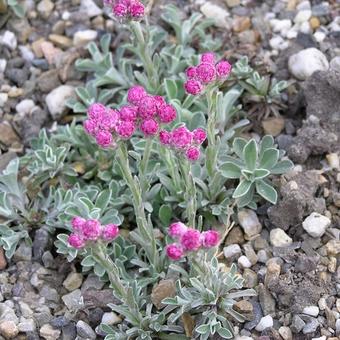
(56, 100)
(305, 28)
(3, 99)
(111, 318)
(319, 36)
(278, 238)
(9, 40)
(311, 310)
(292, 33)
(265, 322)
(303, 16)
(278, 43)
(321, 338)
(231, 251)
(244, 262)
(303, 5)
(316, 224)
(262, 256)
(3, 64)
(25, 106)
(82, 38)
(280, 25)
(215, 12)
(26, 53)
(66, 16)
(322, 304)
(90, 8)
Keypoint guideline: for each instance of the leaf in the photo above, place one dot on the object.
(267, 142)
(282, 167)
(103, 199)
(224, 333)
(230, 170)
(261, 173)
(88, 261)
(165, 214)
(242, 189)
(203, 329)
(269, 158)
(238, 146)
(266, 191)
(250, 154)
(171, 88)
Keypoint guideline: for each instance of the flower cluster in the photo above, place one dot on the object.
(184, 141)
(188, 240)
(207, 72)
(144, 111)
(126, 9)
(85, 231)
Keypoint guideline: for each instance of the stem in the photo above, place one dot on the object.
(144, 163)
(171, 167)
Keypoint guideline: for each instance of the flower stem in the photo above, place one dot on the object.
(171, 167)
(144, 163)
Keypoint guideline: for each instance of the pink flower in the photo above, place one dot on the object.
(181, 137)
(223, 69)
(210, 238)
(193, 86)
(109, 120)
(125, 129)
(193, 153)
(78, 224)
(174, 251)
(206, 73)
(159, 101)
(191, 240)
(136, 94)
(199, 136)
(90, 127)
(76, 241)
(110, 232)
(91, 230)
(191, 72)
(177, 230)
(149, 127)
(147, 107)
(137, 10)
(104, 138)
(120, 10)
(208, 57)
(167, 113)
(165, 137)
(96, 111)
(128, 112)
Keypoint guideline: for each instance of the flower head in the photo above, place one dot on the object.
(149, 127)
(159, 101)
(191, 240)
(193, 153)
(193, 87)
(199, 136)
(165, 137)
(90, 127)
(210, 238)
(174, 251)
(223, 69)
(96, 111)
(191, 72)
(91, 230)
(177, 230)
(136, 94)
(76, 241)
(109, 120)
(125, 128)
(104, 138)
(78, 224)
(206, 73)
(167, 113)
(181, 137)
(120, 10)
(110, 232)
(128, 113)
(208, 57)
(147, 107)
(137, 10)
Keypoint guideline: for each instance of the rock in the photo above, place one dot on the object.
(162, 290)
(92, 281)
(50, 52)
(85, 331)
(249, 222)
(281, 26)
(311, 326)
(316, 224)
(286, 333)
(73, 281)
(60, 40)
(56, 100)
(241, 24)
(333, 160)
(257, 313)
(244, 262)
(319, 36)
(90, 8)
(3, 99)
(250, 253)
(25, 106)
(9, 40)
(232, 251)
(262, 256)
(82, 38)
(235, 236)
(73, 300)
(233, 3)
(333, 247)
(314, 23)
(276, 43)
(40, 243)
(49, 333)
(305, 264)
(3, 64)
(303, 16)
(111, 318)
(215, 12)
(304, 63)
(8, 329)
(278, 238)
(311, 310)
(98, 298)
(7, 134)
(250, 278)
(26, 326)
(244, 307)
(266, 300)
(265, 322)
(273, 126)
(3, 261)
(23, 252)
(17, 75)
(45, 8)
(297, 324)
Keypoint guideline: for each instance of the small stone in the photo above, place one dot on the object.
(314, 23)
(303, 5)
(162, 290)
(241, 24)
(319, 36)
(235, 236)
(297, 324)
(232, 251)
(286, 333)
(217, 13)
(304, 63)
(45, 8)
(9, 39)
(311, 310)
(332, 264)
(25, 106)
(265, 322)
(82, 38)
(333, 247)
(3, 64)
(333, 161)
(278, 238)
(262, 256)
(85, 331)
(73, 300)
(7, 134)
(278, 43)
(311, 326)
(243, 306)
(281, 26)
(244, 262)
(90, 8)
(26, 326)
(111, 318)
(56, 100)
(49, 333)
(60, 40)
(322, 304)
(8, 329)
(3, 261)
(250, 278)
(36, 47)
(316, 224)
(249, 222)
(233, 3)
(303, 16)
(50, 52)
(48, 80)
(273, 126)
(3, 99)
(266, 300)
(73, 281)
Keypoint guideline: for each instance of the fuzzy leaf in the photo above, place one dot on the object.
(282, 167)
(250, 154)
(171, 88)
(165, 214)
(242, 189)
(224, 333)
(230, 170)
(261, 173)
(269, 158)
(103, 199)
(267, 142)
(238, 146)
(203, 329)
(266, 191)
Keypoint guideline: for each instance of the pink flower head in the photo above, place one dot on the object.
(78, 224)
(191, 240)
(199, 136)
(206, 73)
(167, 113)
(136, 94)
(96, 111)
(120, 10)
(90, 127)
(181, 137)
(191, 72)
(91, 230)
(76, 241)
(165, 137)
(149, 127)
(177, 230)
(147, 107)
(128, 112)
(125, 129)
(174, 251)
(109, 120)
(110, 232)
(104, 138)
(208, 57)
(210, 238)
(160, 101)
(193, 87)
(193, 153)
(137, 10)
(223, 69)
